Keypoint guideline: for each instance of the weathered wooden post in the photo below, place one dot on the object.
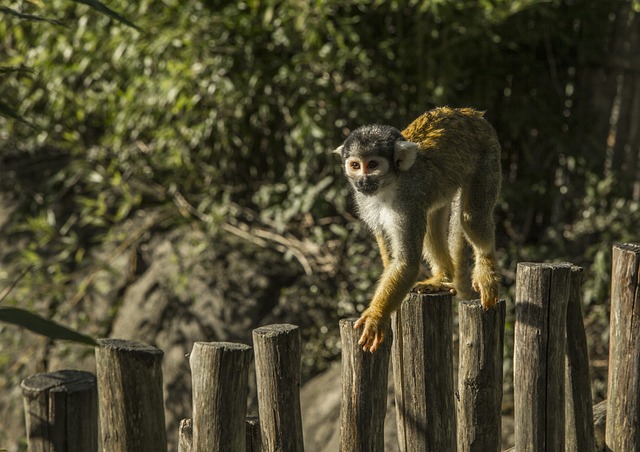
(542, 293)
(61, 410)
(423, 373)
(579, 434)
(480, 376)
(219, 375)
(130, 391)
(185, 435)
(364, 392)
(623, 399)
(277, 352)
(254, 441)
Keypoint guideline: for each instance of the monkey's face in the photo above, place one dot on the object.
(367, 174)
(374, 155)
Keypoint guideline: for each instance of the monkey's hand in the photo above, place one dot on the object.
(374, 331)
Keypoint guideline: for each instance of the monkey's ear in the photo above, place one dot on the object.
(338, 150)
(404, 154)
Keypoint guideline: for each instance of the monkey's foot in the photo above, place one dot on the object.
(435, 284)
(486, 281)
(374, 330)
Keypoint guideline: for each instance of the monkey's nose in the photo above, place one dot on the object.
(366, 187)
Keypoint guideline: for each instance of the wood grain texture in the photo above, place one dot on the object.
(61, 410)
(185, 435)
(219, 381)
(130, 396)
(480, 376)
(579, 434)
(423, 373)
(254, 440)
(623, 399)
(364, 392)
(277, 351)
(542, 293)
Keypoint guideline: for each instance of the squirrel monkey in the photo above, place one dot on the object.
(422, 192)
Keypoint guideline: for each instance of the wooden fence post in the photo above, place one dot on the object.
(579, 434)
(219, 374)
(185, 436)
(364, 392)
(61, 410)
(423, 373)
(130, 391)
(277, 352)
(542, 293)
(254, 441)
(623, 399)
(480, 376)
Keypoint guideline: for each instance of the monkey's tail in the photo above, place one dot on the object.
(460, 252)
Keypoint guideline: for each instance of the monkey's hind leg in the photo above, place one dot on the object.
(437, 253)
(479, 228)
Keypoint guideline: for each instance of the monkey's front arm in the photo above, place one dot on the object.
(396, 281)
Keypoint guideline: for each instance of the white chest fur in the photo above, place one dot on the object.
(378, 211)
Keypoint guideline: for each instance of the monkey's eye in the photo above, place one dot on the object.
(372, 164)
(355, 165)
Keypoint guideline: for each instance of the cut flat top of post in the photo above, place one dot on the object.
(275, 330)
(129, 346)
(62, 381)
(633, 247)
(545, 264)
(224, 345)
(476, 303)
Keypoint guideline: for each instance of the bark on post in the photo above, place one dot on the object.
(579, 434)
(130, 392)
(219, 376)
(185, 435)
(480, 376)
(364, 392)
(277, 353)
(542, 293)
(423, 373)
(623, 399)
(61, 410)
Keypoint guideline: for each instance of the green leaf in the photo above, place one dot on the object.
(42, 326)
(23, 16)
(104, 9)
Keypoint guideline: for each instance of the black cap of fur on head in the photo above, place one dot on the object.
(371, 139)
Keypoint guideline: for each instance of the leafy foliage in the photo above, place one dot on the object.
(222, 108)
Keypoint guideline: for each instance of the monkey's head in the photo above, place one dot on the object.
(373, 157)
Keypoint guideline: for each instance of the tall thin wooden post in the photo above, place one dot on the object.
(61, 410)
(542, 293)
(623, 399)
(579, 434)
(219, 374)
(254, 441)
(364, 392)
(130, 391)
(423, 373)
(185, 435)
(480, 377)
(277, 352)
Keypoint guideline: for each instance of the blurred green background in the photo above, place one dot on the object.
(222, 115)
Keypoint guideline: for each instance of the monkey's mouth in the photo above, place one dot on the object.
(367, 188)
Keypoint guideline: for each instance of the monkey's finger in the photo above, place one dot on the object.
(366, 337)
(358, 323)
(377, 341)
